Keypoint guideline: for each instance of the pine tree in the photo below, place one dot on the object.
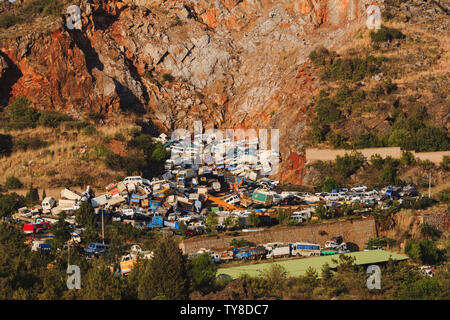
(166, 275)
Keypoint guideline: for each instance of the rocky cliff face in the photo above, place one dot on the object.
(230, 63)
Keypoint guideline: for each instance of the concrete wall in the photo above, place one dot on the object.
(331, 154)
(357, 232)
(435, 157)
(313, 154)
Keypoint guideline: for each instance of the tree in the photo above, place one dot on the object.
(348, 164)
(329, 184)
(282, 217)
(211, 221)
(166, 274)
(13, 183)
(232, 222)
(10, 203)
(100, 283)
(424, 251)
(327, 275)
(160, 154)
(6, 144)
(320, 211)
(407, 158)
(445, 164)
(275, 278)
(204, 272)
(182, 227)
(32, 195)
(254, 220)
(85, 215)
(428, 289)
(239, 243)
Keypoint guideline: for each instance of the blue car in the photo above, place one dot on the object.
(96, 249)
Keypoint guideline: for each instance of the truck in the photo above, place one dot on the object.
(277, 249)
(186, 174)
(48, 203)
(262, 198)
(33, 228)
(171, 224)
(127, 261)
(70, 195)
(301, 216)
(157, 222)
(249, 253)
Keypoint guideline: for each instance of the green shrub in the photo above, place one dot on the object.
(52, 118)
(348, 164)
(13, 183)
(337, 140)
(45, 7)
(6, 144)
(424, 251)
(407, 158)
(318, 132)
(366, 139)
(445, 164)
(20, 114)
(239, 243)
(386, 34)
(10, 203)
(329, 184)
(9, 20)
(319, 56)
(159, 153)
(168, 77)
(444, 195)
(327, 110)
(354, 69)
(76, 125)
(88, 130)
(28, 143)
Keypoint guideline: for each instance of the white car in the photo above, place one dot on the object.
(136, 180)
(360, 188)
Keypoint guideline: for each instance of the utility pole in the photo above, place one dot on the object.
(429, 184)
(103, 229)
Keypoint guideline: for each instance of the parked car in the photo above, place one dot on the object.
(96, 249)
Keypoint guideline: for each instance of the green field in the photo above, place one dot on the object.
(298, 267)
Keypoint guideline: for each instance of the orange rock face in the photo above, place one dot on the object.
(229, 63)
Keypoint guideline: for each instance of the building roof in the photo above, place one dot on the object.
(298, 267)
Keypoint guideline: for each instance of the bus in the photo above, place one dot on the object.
(304, 249)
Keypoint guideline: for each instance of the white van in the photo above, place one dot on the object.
(232, 199)
(136, 180)
(48, 203)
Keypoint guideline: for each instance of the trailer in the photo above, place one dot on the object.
(249, 253)
(277, 250)
(262, 198)
(157, 222)
(36, 227)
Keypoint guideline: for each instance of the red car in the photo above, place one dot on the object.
(36, 227)
(190, 233)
